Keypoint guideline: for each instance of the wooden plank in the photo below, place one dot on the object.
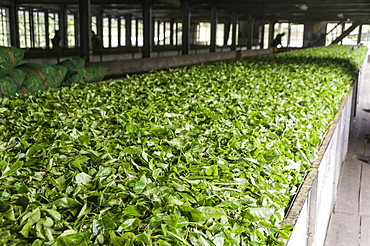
(349, 186)
(365, 231)
(344, 230)
(365, 190)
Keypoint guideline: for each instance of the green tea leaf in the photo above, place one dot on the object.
(83, 179)
(26, 229)
(13, 168)
(210, 212)
(37, 242)
(141, 184)
(71, 238)
(10, 214)
(129, 225)
(67, 202)
(35, 216)
(264, 213)
(80, 160)
(108, 223)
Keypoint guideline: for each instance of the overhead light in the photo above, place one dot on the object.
(302, 7)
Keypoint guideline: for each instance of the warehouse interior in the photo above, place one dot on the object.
(132, 29)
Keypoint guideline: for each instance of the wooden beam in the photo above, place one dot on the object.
(346, 32)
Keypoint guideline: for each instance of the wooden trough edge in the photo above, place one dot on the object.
(303, 193)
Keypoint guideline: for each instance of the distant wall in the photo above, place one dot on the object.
(314, 34)
(127, 66)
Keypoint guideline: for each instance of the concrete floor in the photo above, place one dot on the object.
(350, 222)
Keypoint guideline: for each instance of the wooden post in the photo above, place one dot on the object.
(136, 33)
(177, 34)
(271, 32)
(158, 32)
(128, 20)
(63, 26)
(214, 21)
(185, 27)
(289, 34)
(171, 32)
(85, 29)
(110, 31)
(99, 25)
(47, 34)
(76, 29)
(32, 29)
(147, 22)
(359, 37)
(250, 32)
(14, 32)
(262, 34)
(234, 19)
(119, 30)
(227, 27)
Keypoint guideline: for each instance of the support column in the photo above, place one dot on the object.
(214, 21)
(119, 31)
(185, 27)
(172, 24)
(271, 32)
(128, 20)
(227, 27)
(359, 35)
(158, 32)
(153, 31)
(47, 33)
(289, 34)
(32, 30)
(14, 32)
(85, 29)
(99, 24)
(147, 26)
(63, 27)
(177, 34)
(137, 33)
(110, 31)
(76, 29)
(164, 33)
(262, 34)
(250, 32)
(234, 19)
